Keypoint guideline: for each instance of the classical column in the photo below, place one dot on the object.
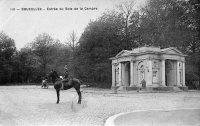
(183, 73)
(120, 74)
(132, 73)
(149, 73)
(177, 74)
(135, 76)
(123, 72)
(163, 73)
(113, 75)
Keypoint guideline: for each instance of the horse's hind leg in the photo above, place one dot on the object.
(79, 94)
(58, 95)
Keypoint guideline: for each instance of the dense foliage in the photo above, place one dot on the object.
(162, 23)
(7, 58)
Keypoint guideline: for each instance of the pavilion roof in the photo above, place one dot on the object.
(149, 50)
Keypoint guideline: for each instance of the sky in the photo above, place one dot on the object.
(25, 25)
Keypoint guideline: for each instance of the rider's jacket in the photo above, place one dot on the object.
(66, 74)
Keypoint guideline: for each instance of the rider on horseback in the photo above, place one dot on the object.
(65, 79)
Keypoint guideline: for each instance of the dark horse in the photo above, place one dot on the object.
(57, 81)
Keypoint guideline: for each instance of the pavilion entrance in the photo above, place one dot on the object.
(126, 74)
(170, 72)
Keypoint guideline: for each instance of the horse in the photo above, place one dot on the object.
(72, 83)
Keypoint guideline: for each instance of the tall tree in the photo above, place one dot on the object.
(60, 54)
(162, 24)
(192, 19)
(28, 65)
(72, 42)
(101, 40)
(7, 51)
(42, 46)
(128, 16)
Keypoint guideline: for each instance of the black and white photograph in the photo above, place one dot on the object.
(100, 62)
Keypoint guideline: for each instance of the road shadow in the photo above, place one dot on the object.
(65, 107)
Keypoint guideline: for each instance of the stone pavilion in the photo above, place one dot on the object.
(162, 69)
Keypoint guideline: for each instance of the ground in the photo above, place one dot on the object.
(172, 117)
(31, 105)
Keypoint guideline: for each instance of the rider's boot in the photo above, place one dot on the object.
(62, 87)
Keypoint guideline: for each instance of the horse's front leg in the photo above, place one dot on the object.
(79, 94)
(58, 95)
(79, 99)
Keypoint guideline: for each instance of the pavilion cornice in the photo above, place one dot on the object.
(144, 53)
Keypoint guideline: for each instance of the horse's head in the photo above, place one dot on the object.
(53, 75)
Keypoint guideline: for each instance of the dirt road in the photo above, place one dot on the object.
(31, 105)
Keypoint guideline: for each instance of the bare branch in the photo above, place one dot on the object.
(72, 40)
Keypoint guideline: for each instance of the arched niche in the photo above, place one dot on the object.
(141, 71)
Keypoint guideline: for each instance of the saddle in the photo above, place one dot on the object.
(67, 82)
